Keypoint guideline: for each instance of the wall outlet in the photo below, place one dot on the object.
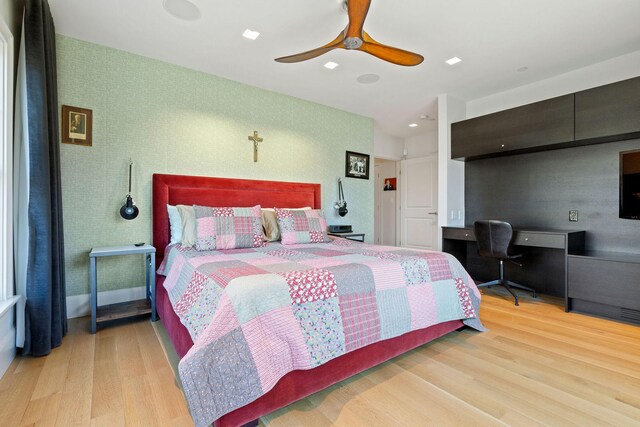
(573, 215)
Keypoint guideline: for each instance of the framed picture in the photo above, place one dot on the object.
(357, 165)
(390, 184)
(77, 125)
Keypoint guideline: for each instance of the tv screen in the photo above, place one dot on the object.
(630, 184)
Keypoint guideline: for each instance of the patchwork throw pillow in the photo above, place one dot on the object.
(308, 226)
(270, 223)
(228, 228)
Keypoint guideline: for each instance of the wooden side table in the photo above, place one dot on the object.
(129, 308)
(358, 237)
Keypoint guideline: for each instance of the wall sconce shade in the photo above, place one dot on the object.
(129, 210)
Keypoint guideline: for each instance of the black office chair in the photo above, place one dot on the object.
(494, 241)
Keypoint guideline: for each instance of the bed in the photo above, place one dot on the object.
(298, 383)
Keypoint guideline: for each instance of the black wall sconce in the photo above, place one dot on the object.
(129, 210)
(341, 204)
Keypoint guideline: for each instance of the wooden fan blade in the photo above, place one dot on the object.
(390, 54)
(357, 10)
(299, 57)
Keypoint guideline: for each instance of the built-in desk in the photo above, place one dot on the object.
(544, 264)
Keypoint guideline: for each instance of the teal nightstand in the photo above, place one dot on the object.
(124, 309)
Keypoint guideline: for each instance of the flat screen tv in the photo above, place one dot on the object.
(630, 184)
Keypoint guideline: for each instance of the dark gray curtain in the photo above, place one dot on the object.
(46, 312)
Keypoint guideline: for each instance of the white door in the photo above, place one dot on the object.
(385, 204)
(388, 219)
(378, 203)
(419, 206)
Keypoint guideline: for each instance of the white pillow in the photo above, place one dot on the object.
(175, 224)
(188, 217)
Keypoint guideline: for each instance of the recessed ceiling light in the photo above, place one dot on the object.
(330, 65)
(251, 35)
(366, 79)
(452, 61)
(182, 9)
(413, 125)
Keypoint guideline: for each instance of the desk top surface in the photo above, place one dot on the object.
(608, 256)
(524, 230)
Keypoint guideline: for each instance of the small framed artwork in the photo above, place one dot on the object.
(357, 165)
(390, 184)
(77, 125)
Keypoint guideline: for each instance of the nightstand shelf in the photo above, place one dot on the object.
(122, 310)
(358, 237)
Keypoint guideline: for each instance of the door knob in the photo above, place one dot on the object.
(433, 213)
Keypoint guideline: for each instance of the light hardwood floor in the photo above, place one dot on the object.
(537, 365)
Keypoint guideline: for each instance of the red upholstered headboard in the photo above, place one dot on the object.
(208, 191)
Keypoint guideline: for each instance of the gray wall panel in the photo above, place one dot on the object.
(539, 189)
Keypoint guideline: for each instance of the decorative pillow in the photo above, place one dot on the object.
(308, 226)
(270, 223)
(175, 224)
(228, 228)
(188, 218)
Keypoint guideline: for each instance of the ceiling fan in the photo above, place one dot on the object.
(355, 38)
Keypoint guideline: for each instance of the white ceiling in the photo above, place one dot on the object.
(493, 37)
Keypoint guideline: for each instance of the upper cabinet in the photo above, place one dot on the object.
(516, 130)
(602, 114)
(610, 112)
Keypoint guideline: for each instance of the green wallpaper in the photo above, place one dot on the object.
(170, 119)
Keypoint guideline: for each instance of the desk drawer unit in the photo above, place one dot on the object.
(541, 240)
(458, 234)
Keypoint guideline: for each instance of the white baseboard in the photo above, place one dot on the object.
(79, 305)
(7, 341)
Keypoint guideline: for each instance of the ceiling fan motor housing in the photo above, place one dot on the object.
(352, 43)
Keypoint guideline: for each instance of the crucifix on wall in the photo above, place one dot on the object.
(255, 138)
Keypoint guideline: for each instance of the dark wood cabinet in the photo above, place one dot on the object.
(602, 114)
(610, 112)
(605, 284)
(517, 130)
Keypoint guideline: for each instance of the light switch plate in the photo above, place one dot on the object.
(573, 215)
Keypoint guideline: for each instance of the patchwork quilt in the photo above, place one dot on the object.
(256, 314)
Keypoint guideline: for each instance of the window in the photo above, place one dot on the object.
(6, 160)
